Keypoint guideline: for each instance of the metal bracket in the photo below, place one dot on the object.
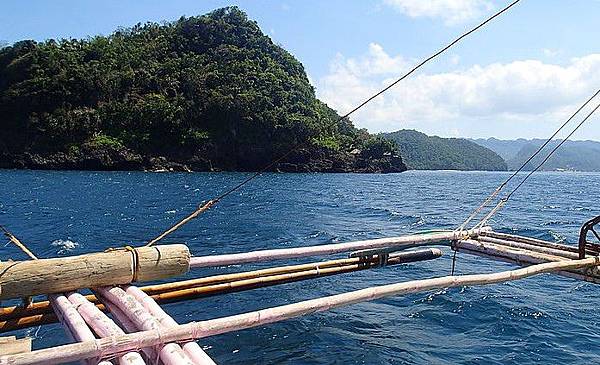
(584, 244)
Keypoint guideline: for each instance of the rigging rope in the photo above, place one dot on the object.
(503, 201)
(514, 174)
(201, 209)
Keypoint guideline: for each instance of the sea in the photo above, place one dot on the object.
(545, 319)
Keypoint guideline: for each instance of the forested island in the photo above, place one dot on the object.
(202, 93)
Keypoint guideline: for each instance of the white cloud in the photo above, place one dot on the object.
(501, 99)
(450, 11)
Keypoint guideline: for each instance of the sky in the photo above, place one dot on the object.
(521, 76)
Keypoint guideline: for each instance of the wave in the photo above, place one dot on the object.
(64, 245)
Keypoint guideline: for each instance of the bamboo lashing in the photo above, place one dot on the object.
(129, 327)
(74, 324)
(196, 330)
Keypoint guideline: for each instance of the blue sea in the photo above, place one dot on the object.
(544, 319)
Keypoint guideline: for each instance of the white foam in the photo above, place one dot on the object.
(65, 245)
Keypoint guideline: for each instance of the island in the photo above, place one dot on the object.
(205, 93)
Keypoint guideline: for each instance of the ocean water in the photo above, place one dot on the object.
(545, 319)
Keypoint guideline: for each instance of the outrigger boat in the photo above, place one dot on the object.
(121, 322)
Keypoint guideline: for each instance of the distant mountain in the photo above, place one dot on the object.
(422, 152)
(505, 149)
(573, 155)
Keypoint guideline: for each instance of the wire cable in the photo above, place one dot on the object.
(503, 201)
(501, 186)
(211, 202)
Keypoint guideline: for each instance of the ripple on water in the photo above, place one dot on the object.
(545, 319)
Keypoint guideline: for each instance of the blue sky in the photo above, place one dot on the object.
(518, 77)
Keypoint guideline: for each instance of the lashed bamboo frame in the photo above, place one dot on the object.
(195, 330)
(483, 242)
(12, 318)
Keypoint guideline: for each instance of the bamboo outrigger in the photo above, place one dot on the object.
(142, 325)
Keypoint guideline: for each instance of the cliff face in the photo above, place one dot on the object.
(202, 93)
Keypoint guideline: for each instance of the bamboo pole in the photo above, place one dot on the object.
(523, 257)
(129, 327)
(531, 241)
(104, 327)
(329, 249)
(192, 349)
(239, 285)
(169, 353)
(195, 330)
(73, 324)
(529, 247)
(364, 262)
(16, 317)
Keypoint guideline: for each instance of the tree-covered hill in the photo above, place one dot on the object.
(422, 152)
(207, 92)
(572, 155)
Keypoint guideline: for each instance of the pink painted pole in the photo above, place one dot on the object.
(192, 349)
(195, 330)
(320, 250)
(73, 324)
(170, 353)
(129, 326)
(103, 326)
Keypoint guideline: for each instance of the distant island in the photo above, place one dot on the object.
(422, 152)
(202, 93)
(571, 156)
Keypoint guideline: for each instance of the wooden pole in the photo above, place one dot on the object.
(297, 252)
(48, 276)
(169, 353)
(195, 330)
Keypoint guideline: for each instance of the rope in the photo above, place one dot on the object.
(501, 186)
(496, 192)
(205, 207)
(503, 201)
(135, 258)
(18, 243)
(201, 209)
